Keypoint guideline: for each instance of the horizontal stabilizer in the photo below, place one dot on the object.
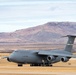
(70, 36)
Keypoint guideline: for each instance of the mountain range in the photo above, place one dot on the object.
(50, 32)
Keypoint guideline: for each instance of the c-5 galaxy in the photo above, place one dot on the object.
(43, 57)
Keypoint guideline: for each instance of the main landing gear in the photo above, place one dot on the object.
(41, 65)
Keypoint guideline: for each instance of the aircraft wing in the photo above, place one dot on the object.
(56, 54)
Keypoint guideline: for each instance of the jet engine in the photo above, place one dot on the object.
(50, 58)
(64, 59)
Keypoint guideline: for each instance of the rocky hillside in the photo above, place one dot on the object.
(49, 32)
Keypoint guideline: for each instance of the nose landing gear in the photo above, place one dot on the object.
(20, 65)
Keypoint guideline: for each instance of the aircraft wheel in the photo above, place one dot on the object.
(31, 64)
(39, 64)
(20, 65)
(43, 64)
(51, 65)
(46, 64)
(36, 65)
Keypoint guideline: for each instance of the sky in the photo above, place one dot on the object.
(21, 14)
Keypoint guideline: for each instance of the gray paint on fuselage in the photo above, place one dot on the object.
(24, 56)
(31, 56)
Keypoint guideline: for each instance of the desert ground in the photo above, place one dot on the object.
(9, 47)
(9, 68)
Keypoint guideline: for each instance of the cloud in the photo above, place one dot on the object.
(24, 13)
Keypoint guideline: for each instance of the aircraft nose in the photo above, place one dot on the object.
(14, 57)
(10, 58)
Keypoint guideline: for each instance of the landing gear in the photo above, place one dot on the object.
(35, 64)
(41, 65)
(31, 64)
(47, 64)
(51, 65)
(20, 65)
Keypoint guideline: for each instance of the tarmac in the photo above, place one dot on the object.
(61, 68)
(13, 69)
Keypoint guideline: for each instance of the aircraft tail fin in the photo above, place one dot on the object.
(70, 43)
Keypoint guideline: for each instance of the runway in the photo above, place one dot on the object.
(12, 69)
(33, 73)
(9, 68)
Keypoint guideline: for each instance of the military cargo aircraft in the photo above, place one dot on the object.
(43, 57)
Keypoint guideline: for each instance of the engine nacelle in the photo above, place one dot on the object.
(50, 58)
(64, 59)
